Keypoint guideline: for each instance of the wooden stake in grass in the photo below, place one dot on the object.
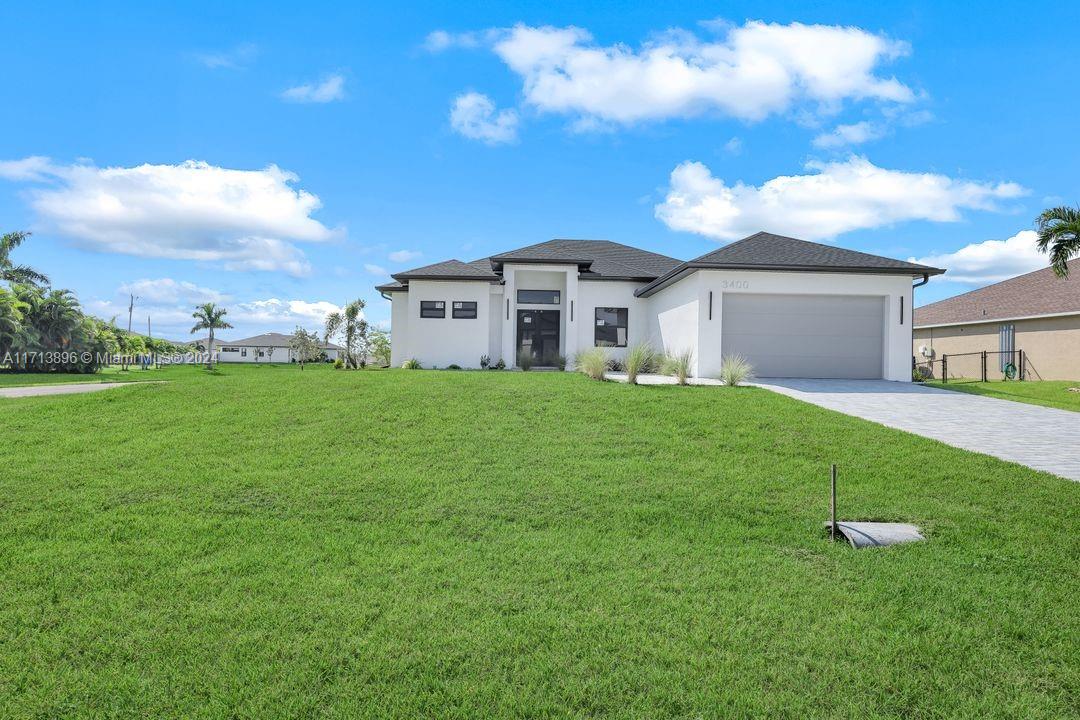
(832, 505)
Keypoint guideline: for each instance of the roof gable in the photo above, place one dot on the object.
(766, 251)
(1033, 294)
(773, 251)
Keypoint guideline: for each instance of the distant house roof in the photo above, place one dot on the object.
(596, 260)
(204, 340)
(271, 340)
(1032, 295)
(766, 251)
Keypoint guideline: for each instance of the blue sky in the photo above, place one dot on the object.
(404, 134)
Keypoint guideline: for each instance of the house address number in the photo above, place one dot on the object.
(735, 284)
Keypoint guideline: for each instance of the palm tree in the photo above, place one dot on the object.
(353, 326)
(11, 316)
(1059, 234)
(209, 317)
(9, 272)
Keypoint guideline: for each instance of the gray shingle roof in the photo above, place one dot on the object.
(450, 270)
(771, 250)
(766, 251)
(598, 258)
(1036, 293)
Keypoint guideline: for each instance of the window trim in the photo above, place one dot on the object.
(455, 310)
(625, 327)
(438, 306)
(556, 293)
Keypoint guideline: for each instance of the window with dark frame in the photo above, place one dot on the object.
(538, 297)
(464, 310)
(611, 326)
(432, 309)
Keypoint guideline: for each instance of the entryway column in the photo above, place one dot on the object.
(571, 315)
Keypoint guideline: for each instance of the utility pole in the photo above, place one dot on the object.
(131, 307)
(148, 328)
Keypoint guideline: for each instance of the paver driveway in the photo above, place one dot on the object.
(61, 389)
(1039, 437)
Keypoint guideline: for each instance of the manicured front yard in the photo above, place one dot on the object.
(267, 542)
(1050, 393)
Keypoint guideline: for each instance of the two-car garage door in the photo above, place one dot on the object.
(810, 336)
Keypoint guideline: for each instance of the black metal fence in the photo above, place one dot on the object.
(972, 367)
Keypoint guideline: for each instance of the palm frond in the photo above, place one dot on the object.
(1059, 235)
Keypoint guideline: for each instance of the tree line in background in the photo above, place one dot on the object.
(43, 329)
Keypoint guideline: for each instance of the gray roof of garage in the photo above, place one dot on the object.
(766, 251)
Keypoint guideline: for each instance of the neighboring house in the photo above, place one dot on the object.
(1038, 313)
(269, 347)
(792, 308)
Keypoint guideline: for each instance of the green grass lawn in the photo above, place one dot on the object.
(1050, 393)
(108, 374)
(267, 542)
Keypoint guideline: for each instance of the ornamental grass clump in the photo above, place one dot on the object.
(411, 364)
(593, 362)
(641, 359)
(678, 365)
(735, 370)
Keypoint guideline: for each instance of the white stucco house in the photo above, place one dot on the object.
(793, 308)
(268, 347)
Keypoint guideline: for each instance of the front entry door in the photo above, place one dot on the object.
(538, 334)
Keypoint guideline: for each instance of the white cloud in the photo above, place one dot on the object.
(474, 116)
(30, 169)
(167, 290)
(854, 134)
(282, 313)
(328, 90)
(233, 59)
(757, 70)
(990, 261)
(242, 219)
(400, 256)
(440, 40)
(733, 146)
(837, 197)
(375, 269)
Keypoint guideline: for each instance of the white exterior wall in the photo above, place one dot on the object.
(674, 319)
(611, 293)
(896, 337)
(674, 322)
(399, 328)
(281, 354)
(447, 341)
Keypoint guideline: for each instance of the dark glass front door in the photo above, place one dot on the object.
(538, 334)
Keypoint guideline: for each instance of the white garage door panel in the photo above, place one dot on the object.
(819, 336)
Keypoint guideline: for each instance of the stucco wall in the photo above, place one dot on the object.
(1051, 346)
(399, 328)
(445, 341)
(674, 318)
(611, 293)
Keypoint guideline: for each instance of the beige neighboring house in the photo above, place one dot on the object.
(1037, 313)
